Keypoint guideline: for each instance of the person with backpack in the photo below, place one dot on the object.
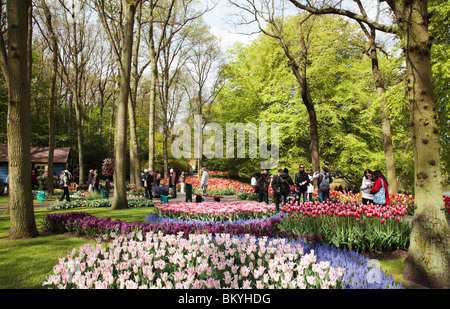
(64, 182)
(323, 181)
(380, 189)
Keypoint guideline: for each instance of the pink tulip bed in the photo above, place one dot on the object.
(138, 260)
(158, 260)
(215, 211)
(186, 246)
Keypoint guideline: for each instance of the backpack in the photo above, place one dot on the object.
(276, 186)
(325, 183)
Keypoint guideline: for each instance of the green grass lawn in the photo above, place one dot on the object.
(24, 264)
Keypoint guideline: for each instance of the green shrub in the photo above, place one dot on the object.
(98, 203)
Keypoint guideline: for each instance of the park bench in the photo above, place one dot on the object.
(216, 198)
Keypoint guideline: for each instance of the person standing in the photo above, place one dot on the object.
(34, 179)
(61, 180)
(286, 183)
(107, 187)
(90, 185)
(380, 186)
(7, 184)
(302, 181)
(263, 187)
(323, 183)
(65, 185)
(276, 186)
(173, 182)
(157, 178)
(281, 184)
(254, 182)
(366, 187)
(310, 187)
(182, 181)
(204, 181)
(148, 181)
(96, 182)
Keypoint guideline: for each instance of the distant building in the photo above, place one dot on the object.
(39, 159)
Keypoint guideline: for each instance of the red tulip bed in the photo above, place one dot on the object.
(217, 186)
(350, 225)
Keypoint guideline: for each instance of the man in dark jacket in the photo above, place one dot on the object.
(281, 184)
(263, 183)
(302, 181)
(148, 181)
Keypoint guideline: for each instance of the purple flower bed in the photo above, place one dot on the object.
(84, 224)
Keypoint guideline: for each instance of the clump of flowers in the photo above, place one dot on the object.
(161, 190)
(215, 211)
(108, 167)
(82, 223)
(157, 260)
(350, 225)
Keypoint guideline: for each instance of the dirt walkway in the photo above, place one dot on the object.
(181, 197)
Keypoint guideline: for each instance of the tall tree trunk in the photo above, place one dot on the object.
(135, 165)
(428, 260)
(386, 123)
(111, 126)
(80, 135)
(76, 95)
(120, 147)
(22, 220)
(199, 142)
(155, 50)
(51, 101)
(306, 96)
(152, 99)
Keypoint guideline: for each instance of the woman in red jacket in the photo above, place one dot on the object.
(380, 182)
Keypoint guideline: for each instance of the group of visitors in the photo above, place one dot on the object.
(148, 178)
(374, 186)
(93, 181)
(152, 179)
(66, 178)
(282, 184)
